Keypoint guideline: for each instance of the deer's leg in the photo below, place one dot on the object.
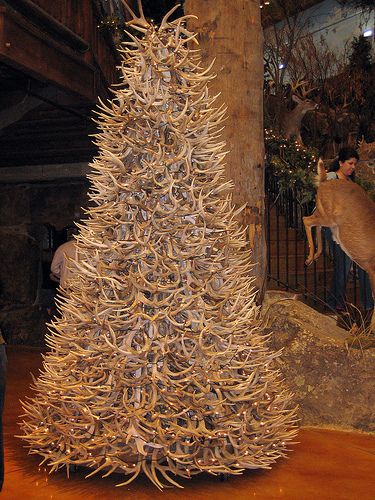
(319, 243)
(310, 222)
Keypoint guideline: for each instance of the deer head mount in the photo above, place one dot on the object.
(291, 120)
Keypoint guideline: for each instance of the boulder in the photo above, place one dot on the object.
(333, 385)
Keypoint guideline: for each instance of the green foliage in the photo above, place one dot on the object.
(361, 75)
(361, 54)
(293, 165)
(294, 168)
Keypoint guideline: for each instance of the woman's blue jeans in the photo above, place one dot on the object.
(341, 267)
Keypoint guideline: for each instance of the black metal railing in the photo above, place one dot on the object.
(287, 250)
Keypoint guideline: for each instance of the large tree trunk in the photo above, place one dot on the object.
(231, 32)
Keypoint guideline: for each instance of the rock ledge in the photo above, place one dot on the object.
(334, 386)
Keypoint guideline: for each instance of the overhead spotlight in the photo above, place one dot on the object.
(368, 33)
(281, 66)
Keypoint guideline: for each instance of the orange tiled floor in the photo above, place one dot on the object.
(325, 465)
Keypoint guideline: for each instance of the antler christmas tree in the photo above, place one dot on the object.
(158, 363)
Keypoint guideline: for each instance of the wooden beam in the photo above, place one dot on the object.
(34, 52)
(273, 13)
(35, 14)
(230, 33)
(36, 173)
(15, 112)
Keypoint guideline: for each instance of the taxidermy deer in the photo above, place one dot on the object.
(347, 210)
(291, 120)
(366, 152)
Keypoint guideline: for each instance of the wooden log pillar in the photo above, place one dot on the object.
(231, 33)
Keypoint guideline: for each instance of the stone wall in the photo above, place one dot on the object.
(32, 221)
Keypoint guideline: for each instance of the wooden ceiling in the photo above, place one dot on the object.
(53, 65)
(41, 123)
(54, 61)
(49, 129)
(278, 9)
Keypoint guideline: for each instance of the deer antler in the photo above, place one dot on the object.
(164, 21)
(300, 86)
(140, 22)
(346, 102)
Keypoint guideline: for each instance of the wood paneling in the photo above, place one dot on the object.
(40, 47)
(28, 49)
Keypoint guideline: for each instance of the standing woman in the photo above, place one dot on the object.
(344, 168)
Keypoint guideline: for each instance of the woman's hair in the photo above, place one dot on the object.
(344, 155)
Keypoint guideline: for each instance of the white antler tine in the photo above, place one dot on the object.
(140, 20)
(140, 8)
(129, 9)
(164, 21)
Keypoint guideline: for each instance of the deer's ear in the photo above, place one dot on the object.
(295, 98)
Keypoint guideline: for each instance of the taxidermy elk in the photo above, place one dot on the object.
(348, 211)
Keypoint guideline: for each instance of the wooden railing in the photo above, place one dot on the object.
(287, 250)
